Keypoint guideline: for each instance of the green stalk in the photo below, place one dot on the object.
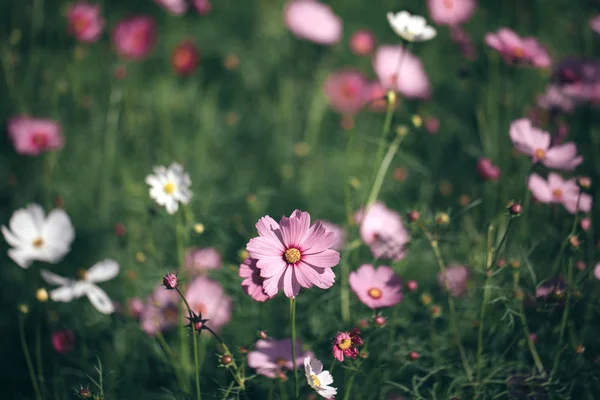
(183, 340)
(38, 356)
(27, 355)
(563, 323)
(293, 318)
(195, 344)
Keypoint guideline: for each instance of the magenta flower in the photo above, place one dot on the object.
(451, 12)
(382, 230)
(270, 357)
(486, 170)
(595, 24)
(376, 288)
(185, 58)
(33, 136)
(401, 71)
(536, 144)
(135, 37)
(558, 190)
(85, 22)
(293, 254)
(456, 279)
(208, 299)
(175, 7)
(362, 42)
(314, 21)
(345, 344)
(203, 7)
(516, 49)
(201, 260)
(63, 341)
(338, 231)
(346, 91)
(253, 282)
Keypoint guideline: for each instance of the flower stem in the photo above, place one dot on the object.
(38, 356)
(167, 349)
(27, 355)
(195, 343)
(293, 318)
(563, 323)
(345, 289)
(110, 144)
(183, 340)
(349, 386)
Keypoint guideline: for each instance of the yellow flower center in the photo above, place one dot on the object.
(316, 381)
(292, 256)
(37, 243)
(518, 52)
(169, 187)
(540, 153)
(280, 361)
(345, 344)
(374, 293)
(82, 273)
(557, 193)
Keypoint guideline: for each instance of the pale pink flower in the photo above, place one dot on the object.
(461, 37)
(253, 282)
(401, 71)
(514, 48)
(203, 7)
(595, 24)
(456, 279)
(270, 357)
(346, 344)
(85, 21)
(136, 307)
(362, 42)
(175, 7)
(382, 230)
(376, 97)
(338, 231)
(199, 260)
(536, 144)
(558, 190)
(451, 12)
(33, 136)
(208, 299)
(135, 37)
(160, 312)
(597, 271)
(346, 91)
(555, 98)
(293, 254)
(376, 288)
(487, 170)
(63, 341)
(585, 224)
(314, 21)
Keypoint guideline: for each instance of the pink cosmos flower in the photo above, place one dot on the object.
(203, 7)
(136, 307)
(345, 344)
(487, 170)
(597, 271)
(595, 24)
(293, 254)
(185, 58)
(400, 70)
(362, 42)
(208, 299)
(314, 21)
(85, 22)
(376, 97)
(200, 260)
(161, 311)
(135, 37)
(536, 143)
(382, 230)
(338, 231)
(558, 190)
(253, 282)
(451, 12)
(346, 91)
(456, 278)
(63, 341)
(175, 7)
(376, 288)
(270, 357)
(461, 37)
(555, 98)
(33, 136)
(516, 49)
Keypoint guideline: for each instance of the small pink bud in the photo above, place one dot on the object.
(203, 7)
(120, 229)
(379, 320)
(63, 341)
(413, 215)
(486, 170)
(532, 337)
(413, 355)
(170, 281)
(515, 209)
(586, 223)
(432, 125)
(580, 265)
(412, 286)
(362, 42)
(263, 335)
(84, 393)
(363, 323)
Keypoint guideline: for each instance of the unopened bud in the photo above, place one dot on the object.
(41, 295)
(263, 335)
(501, 263)
(579, 349)
(379, 320)
(586, 224)
(515, 209)
(585, 182)
(574, 241)
(580, 265)
(532, 337)
(412, 286)
(417, 121)
(364, 354)
(23, 308)
(442, 219)
(436, 311)
(199, 228)
(84, 393)
(120, 230)
(170, 281)
(515, 264)
(413, 215)
(413, 355)
(226, 359)
(426, 299)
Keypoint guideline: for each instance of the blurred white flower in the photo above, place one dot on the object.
(170, 186)
(71, 289)
(413, 28)
(35, 236)
(319, 379)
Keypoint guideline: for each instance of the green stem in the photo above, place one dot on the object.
(293, 318)
(169, 351)
(530, 344)
(563, 323)
(349, 386)
(385, 164)
(345, 289)
(195, 344)
(34, 383)
(486, 294)
(183, 340)
(38, 356)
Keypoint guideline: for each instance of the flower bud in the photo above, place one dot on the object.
(263, 335)
(579, 349)
(170, 281)
(574, 241)
(84, 393)
(413, 215)
(442, 219)
(412, 286)
(532, 337)
(413, 355)
(199, 228)
(515, 209)
(586, 224)
(436, 311)
(379, 320)
(120, 230)
(226, 359)
(41, 295)
(584, 182)
(244, 350)
(362, 42)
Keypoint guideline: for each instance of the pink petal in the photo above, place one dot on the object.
(317, 239)
(540, 189)
(270, 266)
(261, 246)
(272, 285)
(326, 259)
(562, 157)
(269, 228)
(294, 229)
(291, 287)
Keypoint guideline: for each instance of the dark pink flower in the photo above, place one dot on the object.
(382, 230)
(253, 282)
(208, 299)
(135, 37)
(293, 254)
(516, 49)
(345, 344)
(586, 224)
(200, 260)
(487, 170)
(203, 7)
(85, 22)
(362, 42)
(33, 136)
(314, 21)
(455, 279)
(346, 91)
(185, 58)
(451, 12)
(401, 71)
(270, 357)
(175, 7)
(63, 341)
(558, 190)
(376, 288)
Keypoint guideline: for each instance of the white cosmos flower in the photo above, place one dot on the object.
(319, 379)
(71, 289)
(35, 236)
(413, 28)
(170, 186)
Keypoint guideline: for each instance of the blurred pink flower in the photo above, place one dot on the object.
(595, 24)
(487, 170)
(63, 341)
(199, 260)
(376, 288)
(597, 271)
(338, 231)
(555, 98)
(432, 125)
(175, 7)
(346, 91)
(345, 344)
(185, 58)
(33, 136)
(558, 190)
(293, 254)
(136, 307)
(382, 230)
(253, 282)
(586, 224)
(203, 7)
(85, 21)
(314, 21)
(208, 299)
(272, 356)
(376, 97)
(451, 12)
(362, 42)
(525, 50)
(400, 70)
(161, 311)
(461, 37)
(135, 37)
(456, 278)
(536, 144)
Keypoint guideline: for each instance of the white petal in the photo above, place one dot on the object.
(37, 214)
(327, 392)
(21, 256)
(100, 300)
(102, 271)
(428, 33)
(11, 239)
(316, 366)
(58, 230)
(53, 279)
(65, 294)
(23, 226)
(171, 205)
(325, 378)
